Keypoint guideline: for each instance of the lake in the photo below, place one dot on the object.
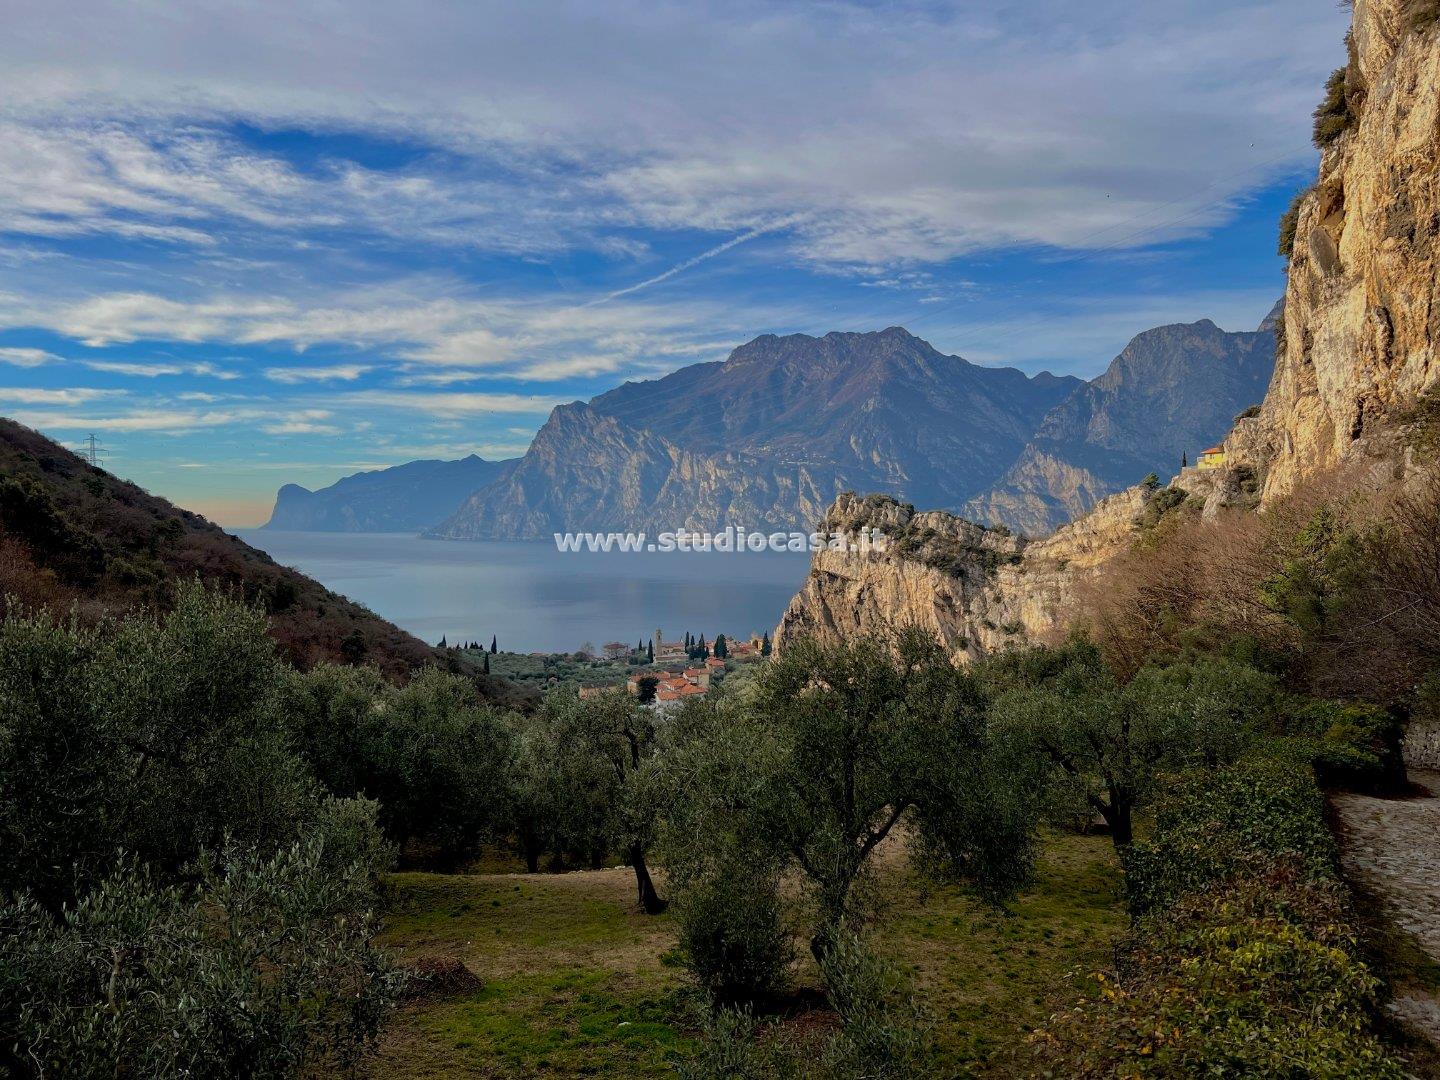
(537, 599)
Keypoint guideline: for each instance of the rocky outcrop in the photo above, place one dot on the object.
(405, 498)
(976, 589)
(1173, 391)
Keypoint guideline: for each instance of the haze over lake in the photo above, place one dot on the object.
(537, 599)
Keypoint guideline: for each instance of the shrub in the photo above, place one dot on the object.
(1351, 745)
(1333, 116)
(884, 1033)
(263, 968)
(732, 936)
(1214, 824)
(1259, 977)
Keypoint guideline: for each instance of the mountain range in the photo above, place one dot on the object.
(770, 436)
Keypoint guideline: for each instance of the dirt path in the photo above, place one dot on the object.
(1391, 849)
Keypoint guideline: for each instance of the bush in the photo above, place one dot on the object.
(1214, 824)
(1351, 745)
(1260, 978)
(732, 936)
(263, 968)
(883, 1033)
(1333, 116)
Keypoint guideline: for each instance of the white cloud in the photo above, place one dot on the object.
(336, 372)
(70, 396)
(27, 357)
(146, 370)
(903, 132)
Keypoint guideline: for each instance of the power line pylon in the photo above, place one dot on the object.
(92, 451)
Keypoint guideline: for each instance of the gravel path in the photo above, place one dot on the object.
(1391, 847)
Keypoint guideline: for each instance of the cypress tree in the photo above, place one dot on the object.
(492, 644)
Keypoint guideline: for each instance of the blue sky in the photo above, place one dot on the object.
(249, 245)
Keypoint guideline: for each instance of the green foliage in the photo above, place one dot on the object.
(434, 755)
(816, 764)
(1333, 116)
(263, 967)
(1324, 566)
(732, 936)
(1351, 745)
(884, 1033)
(28, 510)
(162, 738)
(1106, 747)
(1158, 504)
(1151, 482)
(1260, 977)
(1214, 824)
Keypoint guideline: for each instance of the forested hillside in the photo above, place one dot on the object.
(73, 536)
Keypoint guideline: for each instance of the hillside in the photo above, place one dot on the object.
(768, 438)
(75, 536)
(1172, 392)
(405, 498)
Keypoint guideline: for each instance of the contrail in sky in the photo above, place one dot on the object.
(681, 267)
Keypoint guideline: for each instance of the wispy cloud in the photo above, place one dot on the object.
(146, 370)
(27, 357)
(335, 373)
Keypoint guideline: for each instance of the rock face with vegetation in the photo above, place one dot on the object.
(1173, 391)
(1362, 311)
(976, 589)
(404, 498)
(1356, 360)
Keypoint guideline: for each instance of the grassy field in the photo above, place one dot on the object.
(575, 984)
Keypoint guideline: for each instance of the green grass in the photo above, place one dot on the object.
(574, 984)
(990, 977)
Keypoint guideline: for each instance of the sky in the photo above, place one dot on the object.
(253, 244)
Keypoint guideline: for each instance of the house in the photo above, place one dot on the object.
(617, 650)
(1211, 459)
(587, 692)
(698, 677)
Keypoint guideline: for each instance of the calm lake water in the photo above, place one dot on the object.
(537, 599)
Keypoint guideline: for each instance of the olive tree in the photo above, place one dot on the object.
(833, 747)
(605, 745)
(1109, 744)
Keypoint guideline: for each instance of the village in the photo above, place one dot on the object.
(660, 672)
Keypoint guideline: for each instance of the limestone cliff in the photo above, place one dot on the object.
(1357, 351)
(976, 589)
(1362, 310)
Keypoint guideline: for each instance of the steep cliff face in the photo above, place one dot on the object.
(1173, 391)
(1358, 350)
(1362, 311)
(587, 471)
